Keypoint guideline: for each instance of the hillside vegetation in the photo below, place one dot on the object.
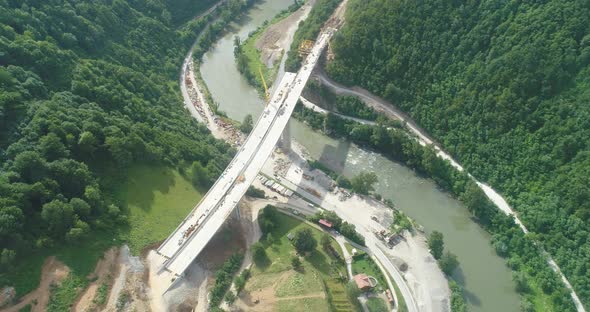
(505, 87)
(89, 88)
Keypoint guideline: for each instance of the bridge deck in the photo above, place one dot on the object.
(193, 234)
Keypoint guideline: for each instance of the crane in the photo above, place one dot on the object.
(266, 94)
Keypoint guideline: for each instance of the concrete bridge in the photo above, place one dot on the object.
(187, 241)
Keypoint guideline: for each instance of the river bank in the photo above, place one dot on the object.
(417, 198)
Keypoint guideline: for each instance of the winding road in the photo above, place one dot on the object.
(423, 138)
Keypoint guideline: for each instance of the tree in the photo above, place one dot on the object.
(526, 305)
(81, 208)
(58, 216)
(200, 175)
(87, 143)
(343, 182)
(296, 262)
(267, 219)
(326, 241)
(363, 183)
(333, 218)
(521, 282)
(304, 241)
(348, 230)
(258, 252)
(448, 263)
(7, 257)
(30, 165)
(230, 297)
(255, 192)
(11, 220)
(436, 244)
(52, 147)
(247, 124)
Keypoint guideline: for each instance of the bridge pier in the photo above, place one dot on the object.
(285, 141)
(237, 211)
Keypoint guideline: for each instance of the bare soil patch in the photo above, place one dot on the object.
(103, 273)
(53, 272)
(276, 38)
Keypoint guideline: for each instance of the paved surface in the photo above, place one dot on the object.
(193, 234)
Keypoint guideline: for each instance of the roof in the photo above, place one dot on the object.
(325, 223)
(362, 281)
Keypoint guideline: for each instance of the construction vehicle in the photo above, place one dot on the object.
(305, 48)
(266, 93)
(241, 178)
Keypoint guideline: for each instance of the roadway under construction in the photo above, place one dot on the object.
(187, 241)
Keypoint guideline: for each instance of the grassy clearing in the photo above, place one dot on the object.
(321, 272)
(63, 296)
(307, 304)
(80, 258)
(364, 264)
(255, 63)
(349, 248)
(157, 199)
(299, 284)
(26, 308)
(375, 304)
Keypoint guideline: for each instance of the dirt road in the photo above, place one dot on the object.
(53, 272)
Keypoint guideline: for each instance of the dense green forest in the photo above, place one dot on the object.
(504, 86)
(88, 87)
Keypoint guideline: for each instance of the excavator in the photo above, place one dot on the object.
(266, 93)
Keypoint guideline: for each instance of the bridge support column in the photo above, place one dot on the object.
(285, 142)
(237, 211)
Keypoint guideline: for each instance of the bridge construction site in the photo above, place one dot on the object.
(187, 241)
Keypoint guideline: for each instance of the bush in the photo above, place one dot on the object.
(247, 124)
(223, 278)
(255, 192)
(352, 292)
(343, 182)
(229, 297)
(267, 219)
(240, 281)
(296, 263)
(258, 252)
(436, 244)
(448, 263)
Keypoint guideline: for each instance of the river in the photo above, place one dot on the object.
(484, 276)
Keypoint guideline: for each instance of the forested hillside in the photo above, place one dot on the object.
(505, 87)
(87, 85)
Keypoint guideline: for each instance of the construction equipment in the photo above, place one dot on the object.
(266, 94)
(305, 48)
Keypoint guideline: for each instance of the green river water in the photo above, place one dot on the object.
(484, 276)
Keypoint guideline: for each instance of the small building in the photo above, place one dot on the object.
(364, 282)
(389, 296)
(290, 236)
(325, 223)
